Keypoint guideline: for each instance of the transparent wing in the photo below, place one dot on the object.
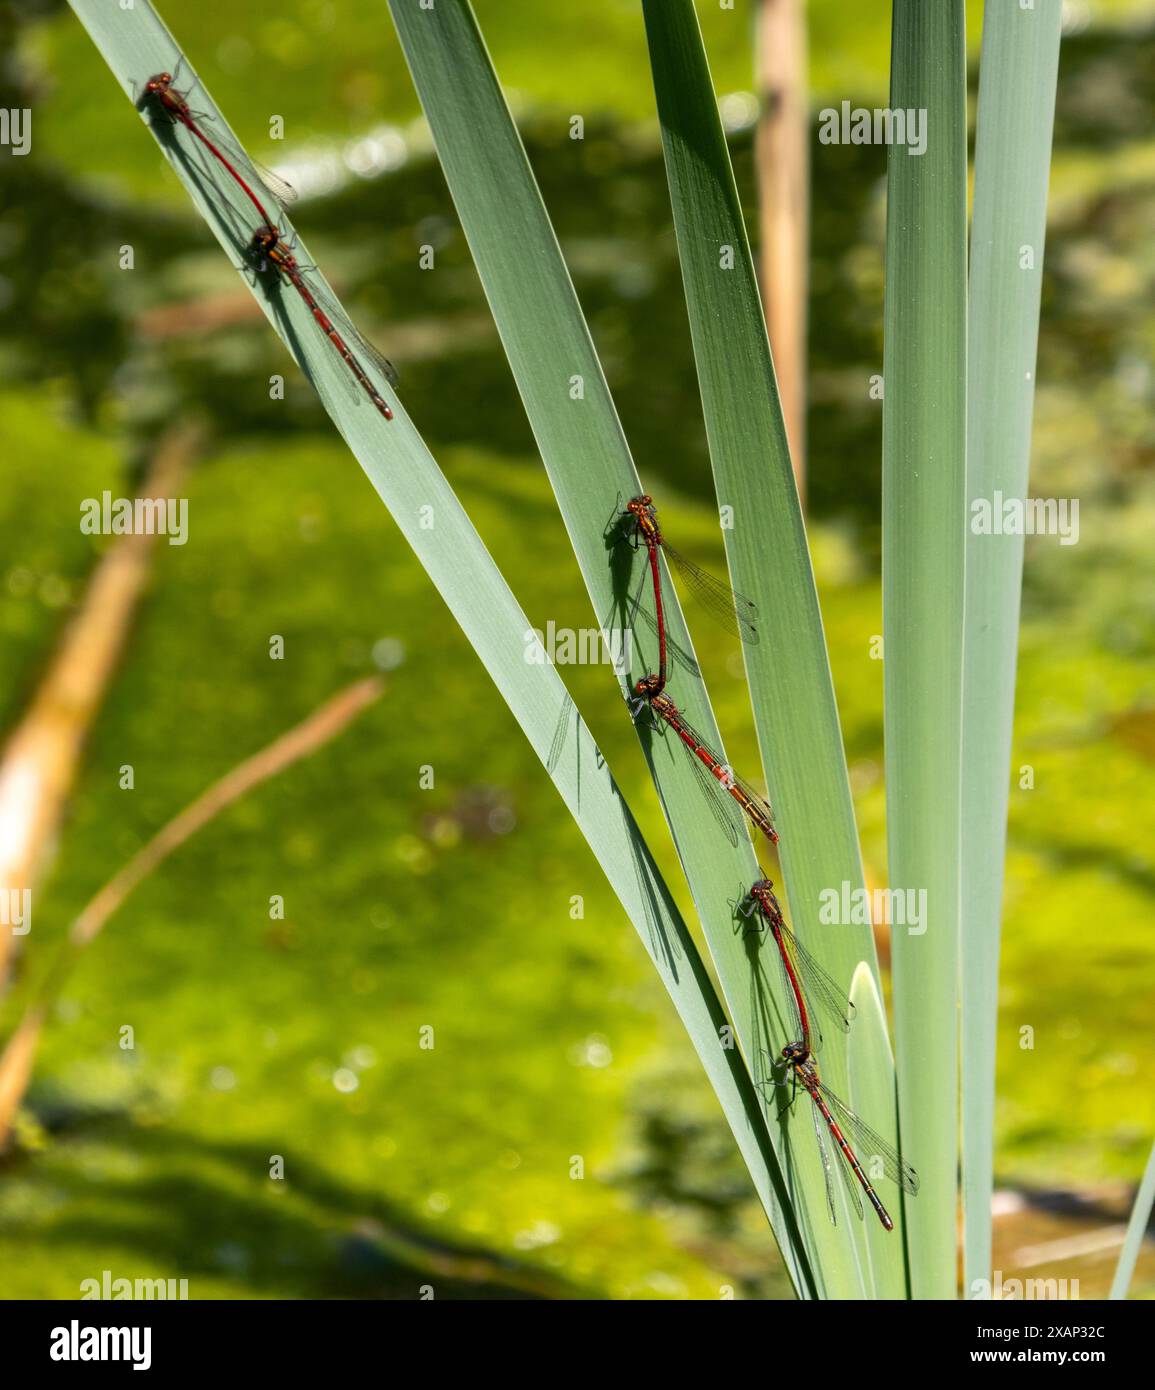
(281, 189)
(661, 942)
(736, 613)
(819, 988)
(732, 777)
(825, 1157)
(359, 345)
(279, 285)
(278, 191)
(849, 1180)
(560, 733)
(722, 805)
(364, 351)
(815, 1035)
(869, 1144)
(680, 655)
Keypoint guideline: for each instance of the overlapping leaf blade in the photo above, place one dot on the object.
(923, 498)
(136, 44)
(1020, 59)
(788, 670)
(577, 430)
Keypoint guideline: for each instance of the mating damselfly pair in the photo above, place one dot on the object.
(808, 987)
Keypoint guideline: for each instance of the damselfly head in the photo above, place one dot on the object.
(642, 510)
(160, 83)
(265, 238)
(763, 894)
(649, 687)
(797, 1054)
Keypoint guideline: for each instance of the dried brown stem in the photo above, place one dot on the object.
(39, 762)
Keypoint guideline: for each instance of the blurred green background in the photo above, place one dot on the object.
(449, 907)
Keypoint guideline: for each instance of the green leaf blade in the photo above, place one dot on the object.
(136, 44)
(590, 469)
(792, 691)
(1020, 60)
(923, 449)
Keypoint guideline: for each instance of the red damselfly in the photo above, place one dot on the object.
(840, 1121)
(736, 613)
(649, 691)
(810, 989)
(268, 249)
(159, 89)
